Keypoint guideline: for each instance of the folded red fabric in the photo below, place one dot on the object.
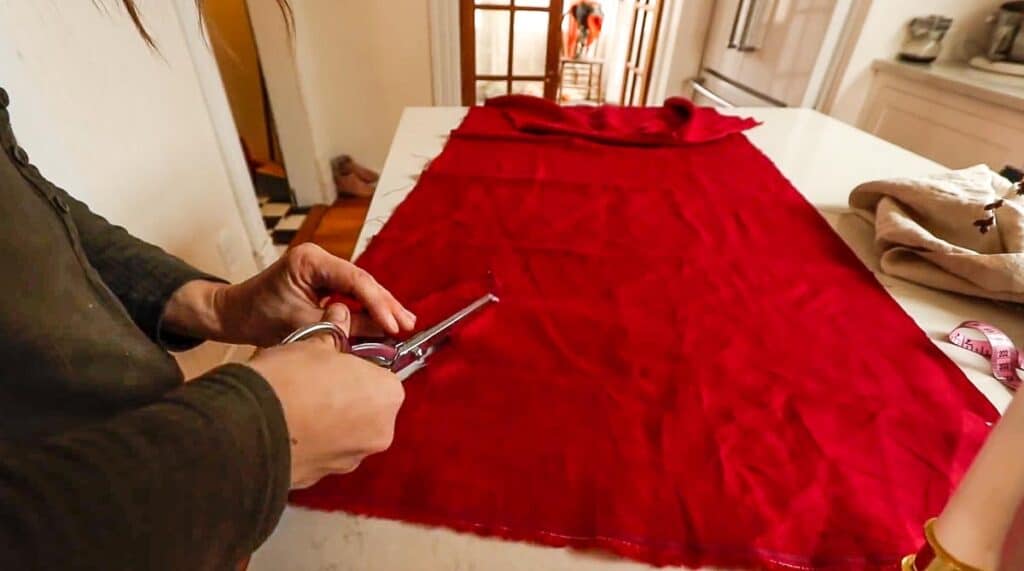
(678, 122)
(687, 366)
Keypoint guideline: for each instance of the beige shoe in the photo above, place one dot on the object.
(345, 164)
(352, 185)
(347, 180)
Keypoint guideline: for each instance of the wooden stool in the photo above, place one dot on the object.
(592, 71)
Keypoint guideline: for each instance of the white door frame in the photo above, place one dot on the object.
(226, 133)
(826, 68)
(664, 51)
(445, 63)
(279, 53)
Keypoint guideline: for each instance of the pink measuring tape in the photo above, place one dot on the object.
(996, 345)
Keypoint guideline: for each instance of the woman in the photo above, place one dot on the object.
(982, 526)
(107, 459)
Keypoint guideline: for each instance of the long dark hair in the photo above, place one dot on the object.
(133, 13)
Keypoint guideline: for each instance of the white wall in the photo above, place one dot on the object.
(340, 83)
(680, 48)
(884, 30)
(123, 129)
(360, 64)
(615, 36)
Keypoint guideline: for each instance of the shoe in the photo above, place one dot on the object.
(344, 165)
(351, 185)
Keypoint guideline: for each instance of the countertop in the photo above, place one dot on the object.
(823, 158)
(958, 77)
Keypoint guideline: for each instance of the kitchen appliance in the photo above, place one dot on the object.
(749, 58)
(1005, 53)
(925, 38)
(1006, 42)
(1005, 67)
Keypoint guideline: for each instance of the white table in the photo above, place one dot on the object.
(822, 157)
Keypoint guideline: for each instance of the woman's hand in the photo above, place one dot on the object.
(265, 308)
(983, 523)
(339, 408)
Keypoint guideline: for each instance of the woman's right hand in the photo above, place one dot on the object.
(339, 408)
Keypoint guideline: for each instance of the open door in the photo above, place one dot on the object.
(509, 46)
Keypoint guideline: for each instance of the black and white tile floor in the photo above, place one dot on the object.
(282, 221)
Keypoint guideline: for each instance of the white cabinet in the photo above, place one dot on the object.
(948, 114)
(771, 48)
(718, 55)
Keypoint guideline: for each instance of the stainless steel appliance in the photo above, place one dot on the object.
(925, 39)
(766, 53)
(1007, 41)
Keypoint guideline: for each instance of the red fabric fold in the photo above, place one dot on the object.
(678, 122)
(687, 366)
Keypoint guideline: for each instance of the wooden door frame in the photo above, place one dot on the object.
(645, 69)
(467, 50)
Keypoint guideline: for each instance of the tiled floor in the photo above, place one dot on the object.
(335, 227)
(282, 221)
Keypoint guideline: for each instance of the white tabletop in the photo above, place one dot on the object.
(822, 157)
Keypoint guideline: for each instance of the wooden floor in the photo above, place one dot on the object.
(335, 227)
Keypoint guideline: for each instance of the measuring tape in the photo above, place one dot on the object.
(996, 345)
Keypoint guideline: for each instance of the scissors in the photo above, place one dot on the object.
(393, 355)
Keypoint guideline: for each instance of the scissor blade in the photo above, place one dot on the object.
(416, 347)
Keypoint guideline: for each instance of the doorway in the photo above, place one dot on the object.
(231, 37)
(570, 51)
(509, 46)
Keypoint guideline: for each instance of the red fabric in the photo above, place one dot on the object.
(679, 122)
(687, 365)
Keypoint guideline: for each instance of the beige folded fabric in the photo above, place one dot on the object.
(930, 231)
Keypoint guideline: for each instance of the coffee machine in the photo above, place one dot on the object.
(925, 39)
(1005, 51)
(1007, 43)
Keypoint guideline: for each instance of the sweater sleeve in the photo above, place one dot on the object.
(196, 480)
(140, 274)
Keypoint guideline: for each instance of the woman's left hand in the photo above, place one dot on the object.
(267, 307)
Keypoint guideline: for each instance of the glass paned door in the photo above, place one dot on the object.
(509, 46)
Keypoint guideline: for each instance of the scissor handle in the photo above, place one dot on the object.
(381, 354)
(391, 355)
(340, 339)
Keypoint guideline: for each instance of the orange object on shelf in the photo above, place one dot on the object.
(585, 19)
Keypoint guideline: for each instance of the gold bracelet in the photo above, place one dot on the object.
(932, 556)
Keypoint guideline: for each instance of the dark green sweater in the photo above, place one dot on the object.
(107, 460)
